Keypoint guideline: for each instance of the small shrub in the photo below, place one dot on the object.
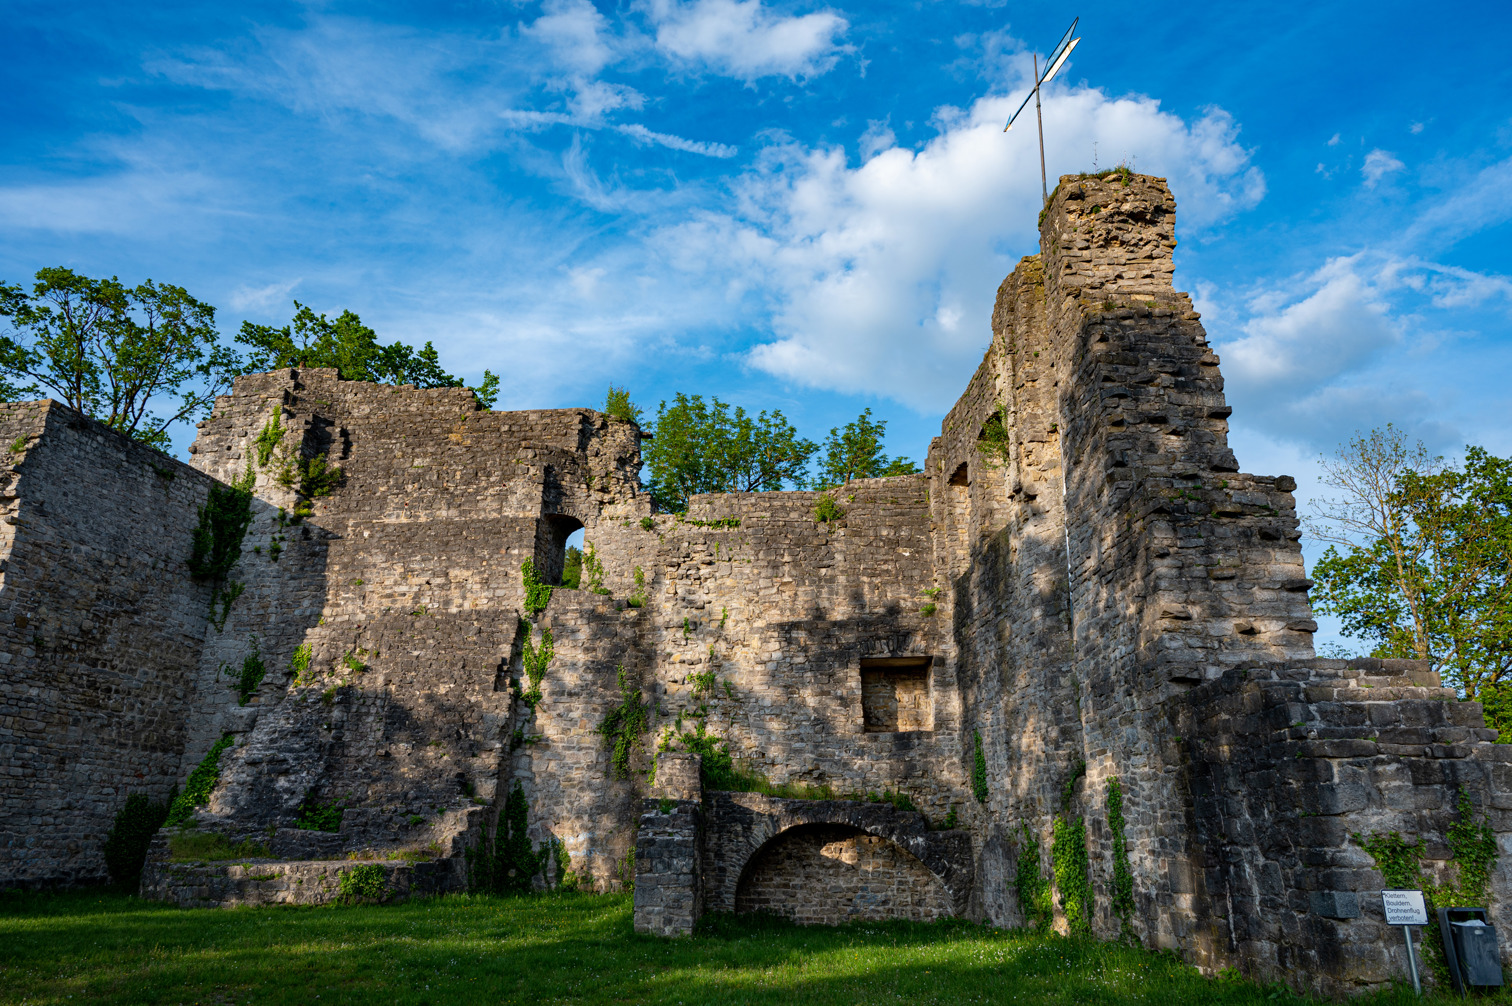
(617, 405)
(638, 599)
(827, 510)
(314, 816)
(536, 659)
(18, 445)
(928, 609)
(647, 524)
(126, 845)
(353, 663)
(368, 882)
(299, 662)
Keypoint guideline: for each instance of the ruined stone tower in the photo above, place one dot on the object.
(1080, 588)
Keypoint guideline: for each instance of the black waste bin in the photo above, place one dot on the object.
(1470, 939)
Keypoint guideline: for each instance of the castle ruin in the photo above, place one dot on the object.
(1081, 595)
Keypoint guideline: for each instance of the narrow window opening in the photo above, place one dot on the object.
(552, 533)
(895, 695)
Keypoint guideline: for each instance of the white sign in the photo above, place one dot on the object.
(1404, 908)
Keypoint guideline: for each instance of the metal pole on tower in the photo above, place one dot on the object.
(1038, 118)
(1053, 63)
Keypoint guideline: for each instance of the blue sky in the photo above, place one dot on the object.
(805, 206)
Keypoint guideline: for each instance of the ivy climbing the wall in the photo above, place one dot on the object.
(624, 724)
(1123, 876)
(217, 542)
(537, 592)
(1068, 860)
(505, 862)
(979, 769)
(536, 660)
(1033, 888)
(249, 677)
(270, 437)
(1472, 850)
(200, 784)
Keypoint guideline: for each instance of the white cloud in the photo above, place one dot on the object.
(879, 277)
(1334, 140)
(1378, 164)
(262, 298)
(576, 34)
(746, 40)
(1312, 341)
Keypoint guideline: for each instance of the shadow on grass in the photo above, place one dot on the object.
(112, 948)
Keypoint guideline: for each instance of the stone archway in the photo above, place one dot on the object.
(827, 874)
(750, 842)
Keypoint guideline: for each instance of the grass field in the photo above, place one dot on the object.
(96, 947)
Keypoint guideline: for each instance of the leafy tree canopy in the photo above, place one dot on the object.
(353, 349)
(705, 447)
(117, 353)
(1420, 558)
(710, 447)
(854, 451)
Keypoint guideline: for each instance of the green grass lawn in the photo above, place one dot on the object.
(95, 947)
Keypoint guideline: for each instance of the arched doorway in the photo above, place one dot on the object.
(826, 874)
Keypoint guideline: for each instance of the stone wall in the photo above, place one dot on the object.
(1081, 585)
(101, 629)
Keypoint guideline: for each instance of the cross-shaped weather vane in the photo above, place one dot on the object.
(1057, 58)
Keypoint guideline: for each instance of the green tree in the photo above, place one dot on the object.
(706, 447)
(855, 452)
(353, 349)
(1420, 558)
(114, 352)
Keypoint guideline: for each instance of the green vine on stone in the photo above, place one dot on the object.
(270, 437)
(249, 677)
(536, 660)
(537, 592)
(1472, 848)
(1033, 889)
(593, 566)
(1123, 875)
(624, 724)
(1068, 858)
(504, 861)
(827, 510)
(216, 544)
(299, 662)
(638, 599)
(200, 784)
(979, 769)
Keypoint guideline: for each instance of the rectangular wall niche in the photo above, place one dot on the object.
(895, 695)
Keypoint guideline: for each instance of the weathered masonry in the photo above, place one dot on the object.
(1081, 596)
